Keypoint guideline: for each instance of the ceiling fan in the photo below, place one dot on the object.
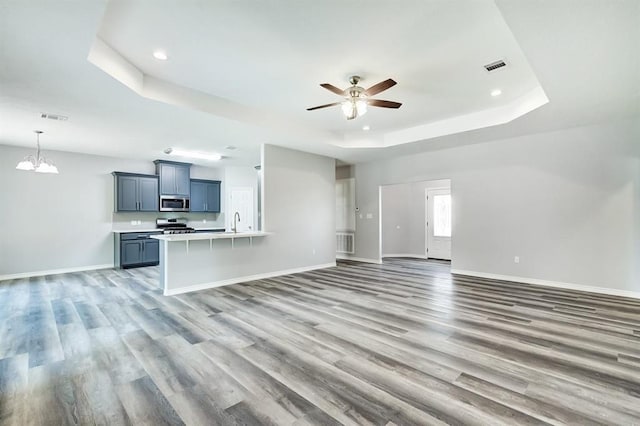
(357, 98)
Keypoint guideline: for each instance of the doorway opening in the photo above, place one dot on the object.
(240, 202)
(438, 224)
(416, 220)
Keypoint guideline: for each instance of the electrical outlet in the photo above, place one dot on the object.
(361, 216)
(397, 226)
(369, 215)
(133, 222)
(204, 220)
(314, 251)
(516, 259)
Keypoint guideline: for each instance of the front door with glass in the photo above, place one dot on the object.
(438, 223)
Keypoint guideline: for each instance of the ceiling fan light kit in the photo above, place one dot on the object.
(354, 107)
(357, 98)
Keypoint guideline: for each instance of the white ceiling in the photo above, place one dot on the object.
(242, 72)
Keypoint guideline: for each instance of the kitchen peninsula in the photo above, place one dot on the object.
(197, 261)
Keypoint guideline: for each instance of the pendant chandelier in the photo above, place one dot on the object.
(37, 163)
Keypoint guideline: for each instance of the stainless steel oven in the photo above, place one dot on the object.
(169, 203)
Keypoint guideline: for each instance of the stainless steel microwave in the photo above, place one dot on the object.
(169, 203)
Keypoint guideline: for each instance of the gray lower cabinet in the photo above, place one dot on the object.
(130, 253)
(136, 249)
(205, 196)
(151, 252)
(136, 193)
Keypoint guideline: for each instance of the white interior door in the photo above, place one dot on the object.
(240, 201)
(345, 205)
(438, 223)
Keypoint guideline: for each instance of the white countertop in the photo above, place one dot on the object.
(210, 236)
(126, 231)
(133, 230)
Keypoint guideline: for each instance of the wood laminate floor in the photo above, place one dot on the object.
(400, 343)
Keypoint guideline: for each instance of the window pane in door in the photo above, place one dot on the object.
(442, 215)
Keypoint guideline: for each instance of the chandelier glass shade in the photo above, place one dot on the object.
(37, 163)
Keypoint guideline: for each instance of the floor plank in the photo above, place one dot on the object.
(405, 342)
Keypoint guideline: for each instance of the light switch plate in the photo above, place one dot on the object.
(369, 215)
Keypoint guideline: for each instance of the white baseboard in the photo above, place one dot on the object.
(412, 256)
(358, 259)
(205, 286)
(555, 284)
(55, 271)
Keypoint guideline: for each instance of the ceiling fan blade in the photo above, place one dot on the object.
(333, 89)
(323, 106)
(384, 104)
(380, 87)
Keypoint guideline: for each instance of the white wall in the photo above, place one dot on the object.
(52, 222)
(395, 219)
(298, 213)
(298, 207)
(404, 217)
(566, 202)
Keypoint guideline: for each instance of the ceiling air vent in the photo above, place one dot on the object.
(495, 65)
(54, 116)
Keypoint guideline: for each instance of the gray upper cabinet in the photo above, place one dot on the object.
(174, 177)
(213, 197)
(205, 196)
(135, 193)
(183, 175)
(148, 194)
(198, 196)
(127, 193)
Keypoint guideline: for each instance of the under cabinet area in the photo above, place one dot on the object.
(135, 192)
(205, 196)
(136, 249)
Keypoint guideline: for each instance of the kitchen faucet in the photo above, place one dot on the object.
(235, 226)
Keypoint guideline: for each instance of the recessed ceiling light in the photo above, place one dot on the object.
(193, 154)
(496, 92)
(160, 55)
(365, 127)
